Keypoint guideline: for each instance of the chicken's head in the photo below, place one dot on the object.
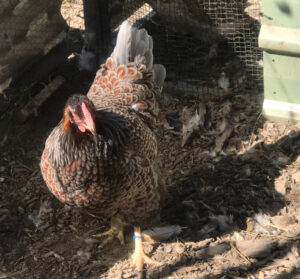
(79, 113)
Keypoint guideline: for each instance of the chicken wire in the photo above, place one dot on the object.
(29, 31)
(207, 46)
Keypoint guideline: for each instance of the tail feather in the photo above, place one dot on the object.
(140, 50)
(135, 45)
(122, 48)
(149, 59)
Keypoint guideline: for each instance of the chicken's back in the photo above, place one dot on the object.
(129, 81)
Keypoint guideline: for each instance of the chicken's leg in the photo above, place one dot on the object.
(139, 257)
(116, 230)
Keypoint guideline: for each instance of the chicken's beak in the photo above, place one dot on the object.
(93, 131)
(91, 127)
(89, 124)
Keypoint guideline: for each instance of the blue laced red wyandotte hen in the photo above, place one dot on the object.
(101, 155)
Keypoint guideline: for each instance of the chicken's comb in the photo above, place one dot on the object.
(86, 113)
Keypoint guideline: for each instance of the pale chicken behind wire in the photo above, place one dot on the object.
(102, 153)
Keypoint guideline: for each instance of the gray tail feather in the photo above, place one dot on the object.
(135, 45)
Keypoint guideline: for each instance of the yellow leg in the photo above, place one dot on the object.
(139, 257)
(115, 231)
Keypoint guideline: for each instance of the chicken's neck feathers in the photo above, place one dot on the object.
(66, 147)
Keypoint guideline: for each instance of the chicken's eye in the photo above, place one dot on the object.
(70, 116)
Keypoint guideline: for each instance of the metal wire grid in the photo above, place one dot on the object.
(27, 29)
(226, 41)
(240, 30)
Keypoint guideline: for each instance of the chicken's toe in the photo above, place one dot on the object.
(115, 231)
(139, 258)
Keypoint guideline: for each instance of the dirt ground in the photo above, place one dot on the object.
(236, 194)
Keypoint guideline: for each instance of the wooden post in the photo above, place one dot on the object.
(97, 25)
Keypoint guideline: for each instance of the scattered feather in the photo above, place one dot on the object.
(237, 236)
(192, 124)
(256, 248)
(281, 159)
(247, 170)
(5, 85)
(162, 233)
(262, 223)
(223, 126)
(35, 220)
(192, 119)
(52, 253)
(82, 257)
(86, 60)
(208, 228)
(213, 51)
(226, 109)
(223, 81)
(260, 63)
(44, 210)
(159, 74)
(225, 130)
(262, 219)
(224, 222)
(167, 126)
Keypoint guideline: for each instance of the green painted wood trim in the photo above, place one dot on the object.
(279, 39)
(277, 110)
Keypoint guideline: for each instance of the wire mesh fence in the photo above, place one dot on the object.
(28, 29)
(36, 37)
(206, 45)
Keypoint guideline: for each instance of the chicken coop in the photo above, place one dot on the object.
(139, 146)
(209, 48)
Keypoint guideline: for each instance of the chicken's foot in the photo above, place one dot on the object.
(115, 231)
(139, 257)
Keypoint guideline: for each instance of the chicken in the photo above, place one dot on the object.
(102, 154)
